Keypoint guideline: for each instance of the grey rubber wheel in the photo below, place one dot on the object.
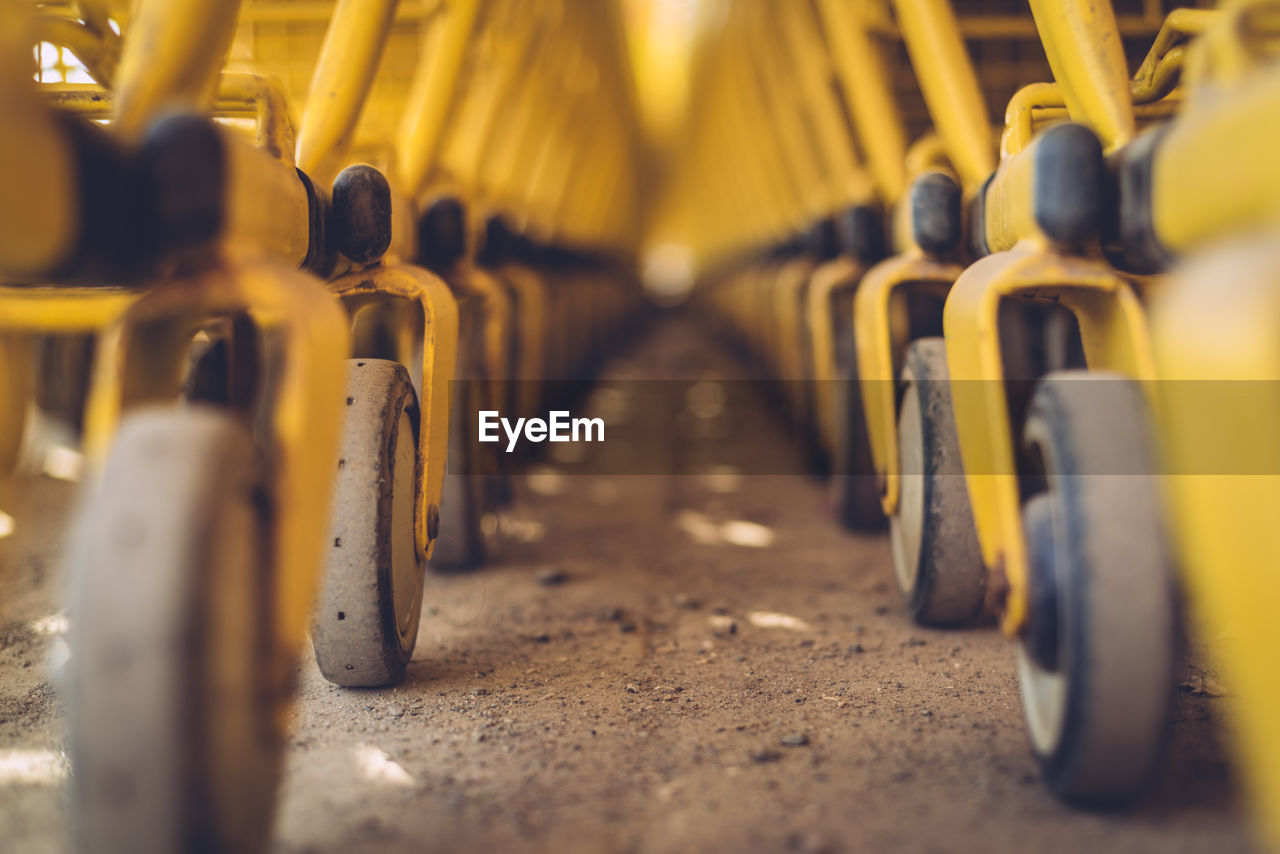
(366, 618)
(461, 545)
(1096, 664)
(937, 562)
(171, 706)
(854, 491)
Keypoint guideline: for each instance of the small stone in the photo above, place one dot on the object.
(627, 628)
(395, 711)
(480, 692)
(552, 577)
(795, 739)
(928, 713)
(722, 625)
(477, 736)
(856, 648)
(762, 756)
(632, 689)
(684, 600)
(542, 637)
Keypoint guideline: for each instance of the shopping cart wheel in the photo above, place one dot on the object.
(366, 618)
(473, 472)
(65, 363)
(935, 546)
(172, 706)
(1096, 660)
(854, 492)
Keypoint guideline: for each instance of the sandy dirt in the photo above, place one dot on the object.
(651, 664)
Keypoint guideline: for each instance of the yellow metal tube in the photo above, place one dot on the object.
(15, 369)
(172, 59)
(949, 86)
(1009, 202)
(240, 95)
(61, 309)
(801, 152)
(98, 52)
(861, 69)
(1215, 170)
(534, 107)
(1180, 24)
(821, 109)
(353, 47)
(267, 209)
(37, 167)
(432, 95)
(1219, 414)
(791, 152)
(1113, 331)
(140, 355)
(497, 96)
(1082, 42)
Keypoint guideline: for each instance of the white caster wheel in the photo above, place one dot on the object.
(854, 491)
(172, 712)
(366, 619)
(461, 544)
(936, 558)
(1096, 661)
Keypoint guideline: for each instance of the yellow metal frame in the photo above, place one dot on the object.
(1190, 169)
(433, 330)
(1084, 51)
(342, 79)
(173, 57)
(831, 287)
(1082, 42)
(862, 73)
(949, 85)
(142, 354)
(349, 58)
(827, 286)
(1218, 359)
(28, 312)
(965, 142)
(1224, 518)
(881, 336)
(1114, 332)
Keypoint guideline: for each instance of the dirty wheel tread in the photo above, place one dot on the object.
(172, 713)
(935, 546)
(1117, 615)
(366, 619)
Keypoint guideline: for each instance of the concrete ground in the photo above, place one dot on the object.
(652, 663)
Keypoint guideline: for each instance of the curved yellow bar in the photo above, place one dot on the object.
(353, 47)
(432, 95)
(875, 112)
(1082, 42)
(949, 85)
(172, 59)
